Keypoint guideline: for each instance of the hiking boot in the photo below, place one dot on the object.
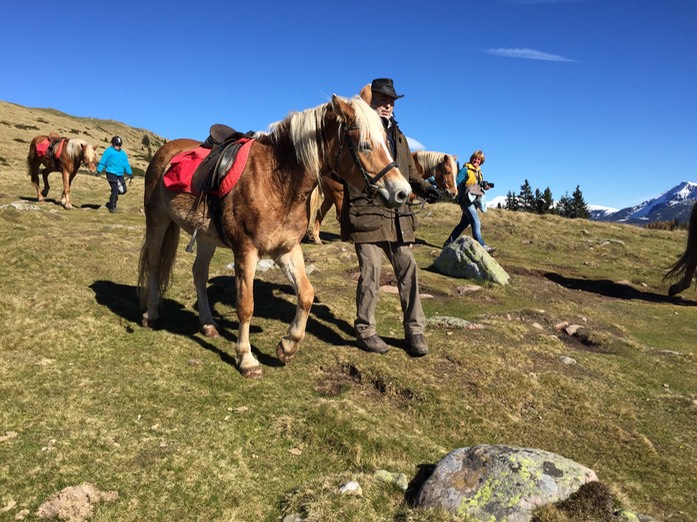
(112, 209)
(490, 249)
(373, 344)
(417, 345)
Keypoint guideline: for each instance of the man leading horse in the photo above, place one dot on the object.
(375, 229)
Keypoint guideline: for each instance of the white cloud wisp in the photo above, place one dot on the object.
(528, 54)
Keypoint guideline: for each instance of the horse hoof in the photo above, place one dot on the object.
(251, 373)
(148, 323)
(286, 355)
(210, 330)
(68, 206)
(44, 193)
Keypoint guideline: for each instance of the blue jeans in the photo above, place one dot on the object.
(469, 217)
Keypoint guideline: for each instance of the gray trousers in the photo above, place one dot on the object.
(405, 269)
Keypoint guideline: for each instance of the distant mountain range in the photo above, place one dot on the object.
(674, 204)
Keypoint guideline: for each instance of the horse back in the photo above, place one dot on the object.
(160, 162)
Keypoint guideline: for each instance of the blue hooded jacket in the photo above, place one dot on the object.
(115, 162)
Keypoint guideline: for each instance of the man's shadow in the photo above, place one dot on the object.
(615, 290)
(93, 206)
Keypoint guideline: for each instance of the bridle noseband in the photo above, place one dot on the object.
(370, 181)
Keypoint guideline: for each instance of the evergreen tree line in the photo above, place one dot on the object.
(573, 206)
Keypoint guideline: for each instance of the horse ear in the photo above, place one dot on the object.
(342, 109)
(95, 147)
(367, 94)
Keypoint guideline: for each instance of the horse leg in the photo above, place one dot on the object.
(204, 254)
(65, 197)
(44, 175)
(161, 233)
(321, 213)
(245, 267)
(293, 265)
(685, 282)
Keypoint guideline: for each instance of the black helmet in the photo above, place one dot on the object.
(116, 141)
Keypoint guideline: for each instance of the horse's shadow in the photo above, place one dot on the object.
(268, 305)
(123, 301)
(615, 290)
(92, 206)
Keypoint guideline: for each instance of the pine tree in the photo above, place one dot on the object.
(580, 209)
(526, 198)
(565, 206)
(547, 202)
(512, 201)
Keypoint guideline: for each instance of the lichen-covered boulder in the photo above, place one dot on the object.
(497, 483)
(467, 259)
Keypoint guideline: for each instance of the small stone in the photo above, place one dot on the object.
(296, 451)
(567, 360)
(572, 329)
(537, 325)
(351, 488)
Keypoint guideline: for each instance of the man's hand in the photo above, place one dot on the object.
(432, 195)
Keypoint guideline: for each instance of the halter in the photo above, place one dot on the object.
(370, 181)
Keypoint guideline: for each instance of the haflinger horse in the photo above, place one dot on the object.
(264, 214)
(442, 167)
(66, 157)
(683, 270)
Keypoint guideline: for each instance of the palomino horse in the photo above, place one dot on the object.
(684, 268)
(67, 156)
(264, 214)
(442, 167)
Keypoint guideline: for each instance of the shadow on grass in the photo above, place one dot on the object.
(608, 288)
(123, 301)
(93, 206)
(270, 306)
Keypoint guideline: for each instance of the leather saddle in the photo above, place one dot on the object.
(224, 143)
(53, 140)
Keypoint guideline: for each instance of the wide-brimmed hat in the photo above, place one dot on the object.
(385, 86)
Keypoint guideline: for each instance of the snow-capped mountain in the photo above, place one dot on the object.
(674, 204)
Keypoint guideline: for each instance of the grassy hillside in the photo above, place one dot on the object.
(164, 418)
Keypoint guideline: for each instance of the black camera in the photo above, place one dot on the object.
(487, 185)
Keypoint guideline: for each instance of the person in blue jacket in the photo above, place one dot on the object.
(115, 162)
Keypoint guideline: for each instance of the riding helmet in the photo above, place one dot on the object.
(116, 141)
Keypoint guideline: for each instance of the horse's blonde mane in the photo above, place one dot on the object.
(304, 128)
(75, 148)
(429, 159)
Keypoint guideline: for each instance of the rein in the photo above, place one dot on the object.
(370, 180)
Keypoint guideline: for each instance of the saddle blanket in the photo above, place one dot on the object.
(42, 148)
(179, 175)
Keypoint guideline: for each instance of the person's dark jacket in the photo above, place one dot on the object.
(365, 220)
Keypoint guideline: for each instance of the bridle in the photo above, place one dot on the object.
(370, 180)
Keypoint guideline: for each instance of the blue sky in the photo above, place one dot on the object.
(596, 93)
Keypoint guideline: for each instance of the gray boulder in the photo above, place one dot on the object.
(501, 482)
(467, 259)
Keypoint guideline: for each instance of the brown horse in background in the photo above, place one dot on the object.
(264, 214)
(683, 270)
(73, 153)
(442, 167)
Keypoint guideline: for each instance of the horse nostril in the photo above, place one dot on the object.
(401, 196)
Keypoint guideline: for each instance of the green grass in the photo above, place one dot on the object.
(164, 418)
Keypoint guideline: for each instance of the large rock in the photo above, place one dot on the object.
(467, 258)
(497, 483)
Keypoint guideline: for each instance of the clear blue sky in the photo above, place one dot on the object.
(599, 93)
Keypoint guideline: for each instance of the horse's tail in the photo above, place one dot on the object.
(170, 240)
(684, 267)
(31, 157)
(168, 251)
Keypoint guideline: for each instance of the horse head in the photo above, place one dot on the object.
(448, 169)
(89, 156)
(363, 159)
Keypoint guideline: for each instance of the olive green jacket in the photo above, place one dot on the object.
(366, 220)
